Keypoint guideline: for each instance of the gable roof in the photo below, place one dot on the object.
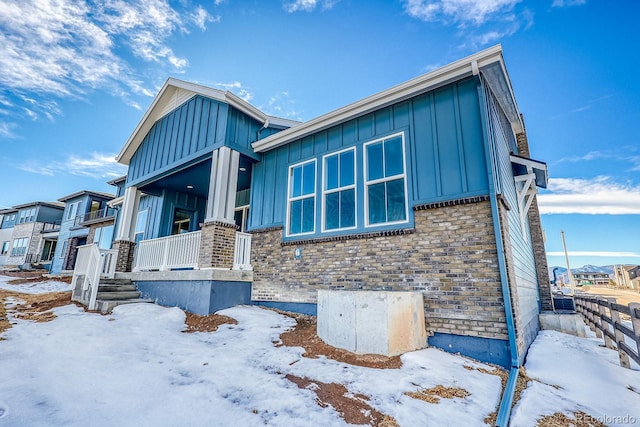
(174, 93)
(86, 192)
(489, 62)
(55, 205)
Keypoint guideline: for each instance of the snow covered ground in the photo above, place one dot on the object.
(136, 368)
(34, 288)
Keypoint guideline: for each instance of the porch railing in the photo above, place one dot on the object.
(242, 253)
(91, 264)
(165, 253)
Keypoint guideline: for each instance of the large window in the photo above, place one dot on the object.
(385, 190)
(339, 190)
(19, 246)
(28, 215)
(302, 198)
(141, 225)
(103, 237)
(72, 211)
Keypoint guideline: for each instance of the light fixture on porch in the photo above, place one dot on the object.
(189, 187)
(243, 169)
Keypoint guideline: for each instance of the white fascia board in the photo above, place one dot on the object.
(462, 68)
(240, 104)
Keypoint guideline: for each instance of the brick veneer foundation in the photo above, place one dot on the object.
(450, 256)
(125, 249)
(217, 244)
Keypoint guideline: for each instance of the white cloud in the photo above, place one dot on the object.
(567, 3)
(96, 165)
(66, 48)
(596, 254)
(7, 130)
(308, 5)
(600, 195)
(461, 12)
(237, 89)
(281, 105)
(624, 154)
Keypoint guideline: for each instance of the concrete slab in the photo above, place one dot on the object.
(569, 323)
(372, 322)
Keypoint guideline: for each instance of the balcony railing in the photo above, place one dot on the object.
(94, 216)
(242, 253)
(51, 227)
(166, 253)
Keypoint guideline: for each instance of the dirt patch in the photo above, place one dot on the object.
(304, 334)
(208, 323)
(354, 409)
(433, 395)
(32, 306)
(622, 296)
(561, 420)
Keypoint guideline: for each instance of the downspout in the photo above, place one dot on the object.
(504, 411)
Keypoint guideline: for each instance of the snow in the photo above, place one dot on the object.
(33, 288)
(136, 367)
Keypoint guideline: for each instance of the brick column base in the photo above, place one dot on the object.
(217, 245)
(125, 255)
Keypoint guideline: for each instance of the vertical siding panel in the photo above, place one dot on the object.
(221, 125)
(205, 124)
(163, 157)
(349, 133)
(382, 121)
(461, 155)
(175, 136)
(365, 127)
(320, 143)
(401, 114)
(188, 128)
(257, 194)
(426, 160)
(471, 128)
(334, 140)
(197, 121)
(306, 147)
(294, 151)
(269, 160)
(280, 186)
(447, 142)
(153, 142)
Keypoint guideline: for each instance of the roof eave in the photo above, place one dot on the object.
(456, 70)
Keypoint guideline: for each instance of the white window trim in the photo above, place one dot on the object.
(368, 183)
(63, 251)
(245, 216)
(73, 211)
(22, 246)
(306, 196)
(338, 189)
(146, 223)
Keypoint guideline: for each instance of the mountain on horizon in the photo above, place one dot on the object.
(562, 271)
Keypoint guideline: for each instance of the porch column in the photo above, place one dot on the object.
(217, 241)
(126, 229)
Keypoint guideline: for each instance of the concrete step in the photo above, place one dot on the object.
(105, 306)
(104, 281)
(116, 288)
(111, 296)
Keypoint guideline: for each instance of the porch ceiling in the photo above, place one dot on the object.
(197, 176)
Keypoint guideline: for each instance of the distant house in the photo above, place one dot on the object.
(7, 221)
(33, 234)
(586, 278)
(86, 217)
(627, 276)
(427, 186)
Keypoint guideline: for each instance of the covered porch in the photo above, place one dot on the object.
(189, 218)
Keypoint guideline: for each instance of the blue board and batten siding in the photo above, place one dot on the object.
(188, 135)
(444, 152)
(523, 258)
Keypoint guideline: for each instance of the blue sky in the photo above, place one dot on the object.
(76, 76)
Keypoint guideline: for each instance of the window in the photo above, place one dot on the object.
(141, 225)
(5, 248)
(73, 210)
(301, 198)
(28, 215)
(103, 237)
(385, 190)
(64, 248)
(19, 246)
(339, 190)
(181, 221)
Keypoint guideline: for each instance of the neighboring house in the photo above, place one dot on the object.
(427, 186)
(586, 278)
(86, 218)
(7, 221)
(34, 234)
(627, 276)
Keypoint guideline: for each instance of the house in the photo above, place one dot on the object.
(7, 221)
(587, 278)
(33, 234)
(427, 186)
(86, 216)
(627, 276)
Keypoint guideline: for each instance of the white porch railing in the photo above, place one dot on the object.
(242, 252)
(92, 264)
(165, 253)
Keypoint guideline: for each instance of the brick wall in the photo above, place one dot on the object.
(125, 248)
(450, 256)
(217, 245)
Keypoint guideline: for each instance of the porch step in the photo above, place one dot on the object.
(106, 306)
(117, 288)
(117, 295)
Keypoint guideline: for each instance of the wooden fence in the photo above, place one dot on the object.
(604, 317)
